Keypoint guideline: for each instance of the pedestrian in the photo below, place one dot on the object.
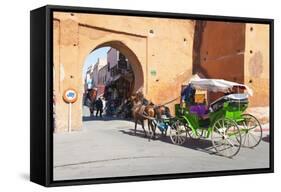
(103, 103)
(99, 107)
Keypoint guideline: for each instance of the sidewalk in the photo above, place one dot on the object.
(262, 114)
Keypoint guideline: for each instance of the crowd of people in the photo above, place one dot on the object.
(100, 106)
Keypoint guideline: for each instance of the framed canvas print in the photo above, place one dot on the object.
(123, 95)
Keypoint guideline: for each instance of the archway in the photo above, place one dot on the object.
(76, 35)
(133, 60)
(114, 74)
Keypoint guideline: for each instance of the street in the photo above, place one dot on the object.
(108, 148)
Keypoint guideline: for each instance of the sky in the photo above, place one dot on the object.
(93, 57)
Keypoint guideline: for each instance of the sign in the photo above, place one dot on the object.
(153, 72)
(70, 95)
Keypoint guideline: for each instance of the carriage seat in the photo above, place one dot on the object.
(236, 98)
(200, 109)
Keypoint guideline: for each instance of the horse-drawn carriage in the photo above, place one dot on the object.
(223, 121)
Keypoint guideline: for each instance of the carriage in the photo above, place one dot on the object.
(224, 121)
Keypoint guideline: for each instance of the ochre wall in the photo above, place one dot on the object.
(220, 53)
(152, 45)
(234, 51)
(256, 61)
(162, 55)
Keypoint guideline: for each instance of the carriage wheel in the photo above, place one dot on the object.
(178, 133)
(251, 131)
(226, 137)
(195, 135)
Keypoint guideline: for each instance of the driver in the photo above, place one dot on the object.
(188, 95)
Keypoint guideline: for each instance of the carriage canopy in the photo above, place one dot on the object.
(218, 85)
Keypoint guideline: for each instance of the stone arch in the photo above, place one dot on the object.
(75, 35)
(133, 46)
(131, 56)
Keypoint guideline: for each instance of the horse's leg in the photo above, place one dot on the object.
(153, 130)
(149, 131)
(136, 123)
(91, 111)
(142, 124)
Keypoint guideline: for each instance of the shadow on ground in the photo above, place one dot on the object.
(103, 118)
(24, 176)
(195, 144)
(266, 139)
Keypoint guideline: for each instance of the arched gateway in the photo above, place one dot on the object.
(75, 35)
(134, 61)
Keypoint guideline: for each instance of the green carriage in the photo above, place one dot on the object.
(224, 121)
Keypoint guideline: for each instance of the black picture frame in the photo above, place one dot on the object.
(41, 121)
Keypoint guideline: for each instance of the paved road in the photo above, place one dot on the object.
(106, 148)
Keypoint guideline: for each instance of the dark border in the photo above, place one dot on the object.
(37, 96)
(49, 9)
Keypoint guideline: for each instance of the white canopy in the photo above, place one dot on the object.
(217, 85)
(237, 96)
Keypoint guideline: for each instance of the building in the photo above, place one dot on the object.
(163, 53)
(88, 81)
(112, 60)
(101, 62)
(102, 75)
(95, 77)
(118, 66)
(101, 83)
(120, 76)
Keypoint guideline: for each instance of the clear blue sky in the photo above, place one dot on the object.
(93, 57)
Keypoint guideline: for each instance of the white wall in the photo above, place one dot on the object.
(14, 141)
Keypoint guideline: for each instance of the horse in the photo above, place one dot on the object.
(142, 110)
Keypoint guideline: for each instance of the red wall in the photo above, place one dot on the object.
(219, 51)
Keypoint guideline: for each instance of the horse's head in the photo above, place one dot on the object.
(137, 97)
(132, 98)
(93, 94)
